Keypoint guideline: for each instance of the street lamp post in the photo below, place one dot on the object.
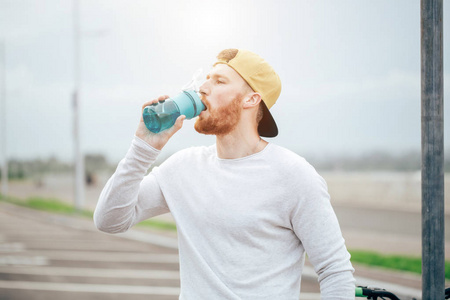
(78, 155)
(4, 160)
(433, 245)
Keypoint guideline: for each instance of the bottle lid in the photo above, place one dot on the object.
(189, 103)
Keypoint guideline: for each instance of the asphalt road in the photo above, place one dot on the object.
(43, 256)
(406, 223)
(39, 260)
(383, 230)
(48, 256)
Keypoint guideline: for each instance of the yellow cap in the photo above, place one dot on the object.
(262, 78)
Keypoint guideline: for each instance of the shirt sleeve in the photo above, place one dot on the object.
(129, 196)
(317, 227)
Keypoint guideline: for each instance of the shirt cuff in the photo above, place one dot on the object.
(143, 152)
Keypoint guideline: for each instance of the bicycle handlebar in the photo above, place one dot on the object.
(373, 293)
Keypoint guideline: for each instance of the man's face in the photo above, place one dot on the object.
(222, 94)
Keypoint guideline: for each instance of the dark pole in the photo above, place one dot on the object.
(433, 259)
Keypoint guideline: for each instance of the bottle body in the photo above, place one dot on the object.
(162, 115)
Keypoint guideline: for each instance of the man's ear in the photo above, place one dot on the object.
(252, 100)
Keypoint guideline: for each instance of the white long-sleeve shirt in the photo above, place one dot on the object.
(244, 225)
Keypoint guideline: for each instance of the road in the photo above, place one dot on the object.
(379, 212)
(385, 230)
(43, 260)
(45, 256)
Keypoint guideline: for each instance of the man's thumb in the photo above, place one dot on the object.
(178, 124)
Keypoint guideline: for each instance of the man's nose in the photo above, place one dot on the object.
(204, 90)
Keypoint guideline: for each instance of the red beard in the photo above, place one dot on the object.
(222, 120)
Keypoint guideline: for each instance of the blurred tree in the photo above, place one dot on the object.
(95, 163)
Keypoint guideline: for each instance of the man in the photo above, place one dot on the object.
(246, 210)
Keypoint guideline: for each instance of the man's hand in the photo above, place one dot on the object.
(157, 140)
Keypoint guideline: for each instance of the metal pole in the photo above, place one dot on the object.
(433, 259)
(4, 161)
(79, 163)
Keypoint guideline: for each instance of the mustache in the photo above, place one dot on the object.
(204, 100)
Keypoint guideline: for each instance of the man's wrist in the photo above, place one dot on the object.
(144, 150)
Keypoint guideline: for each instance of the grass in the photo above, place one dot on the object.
(395, 262)
(57, 206)
(369, 258)
(158, 224)
(49, 205)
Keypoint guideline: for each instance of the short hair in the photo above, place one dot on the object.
(229, 54)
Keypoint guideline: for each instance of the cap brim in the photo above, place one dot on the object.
(267, 126)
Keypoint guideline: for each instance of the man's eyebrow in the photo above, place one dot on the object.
(214, 75)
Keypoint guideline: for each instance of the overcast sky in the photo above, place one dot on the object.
(350, 70)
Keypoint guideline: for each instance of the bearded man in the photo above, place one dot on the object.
(247, 211)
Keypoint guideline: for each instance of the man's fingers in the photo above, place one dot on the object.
(148, 103)
(160, 98)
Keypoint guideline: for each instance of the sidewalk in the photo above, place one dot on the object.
(354, 218)
(392, 229)
(405, 284)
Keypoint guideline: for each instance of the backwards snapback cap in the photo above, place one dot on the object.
(262, 78)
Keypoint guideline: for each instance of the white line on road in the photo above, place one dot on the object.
(91, 272)
(23, 260)
(104, 256)
(81, 246)
(11, 247)
(89, 288)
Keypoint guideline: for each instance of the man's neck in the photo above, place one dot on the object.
(239, 144)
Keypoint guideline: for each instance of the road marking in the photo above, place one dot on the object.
(106, 256)
(23, 260)
(81, 246)
(89, 288)
(93, 272)
(12, 247)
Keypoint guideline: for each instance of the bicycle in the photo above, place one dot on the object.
(375, 293)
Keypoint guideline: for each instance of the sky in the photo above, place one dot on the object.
(350, 70)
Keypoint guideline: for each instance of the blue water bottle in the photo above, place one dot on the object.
(163, 115)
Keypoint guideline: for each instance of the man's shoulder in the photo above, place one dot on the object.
(288, 156)
(290, 163)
